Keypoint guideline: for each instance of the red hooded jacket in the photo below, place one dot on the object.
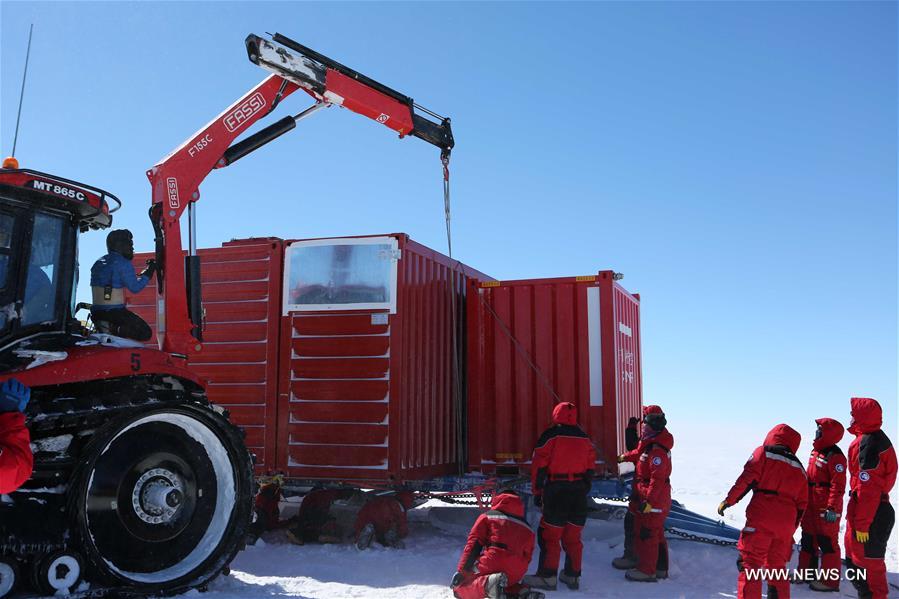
(16, 460)
(652, 479)
(385, 512)
(872, 461)
(778, 481)
(563, 452)
(827, 469)
(500, 540)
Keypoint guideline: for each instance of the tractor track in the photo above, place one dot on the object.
(72, 428)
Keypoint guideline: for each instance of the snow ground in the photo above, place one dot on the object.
(423, 569)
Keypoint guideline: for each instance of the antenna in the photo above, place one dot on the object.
(22, 93)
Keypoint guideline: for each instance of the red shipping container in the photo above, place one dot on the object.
(533, 343)
(241, 289)
(368, 386)
(335, 355)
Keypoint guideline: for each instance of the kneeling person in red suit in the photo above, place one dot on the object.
(313, 522)
(383, 518)
(497, 553)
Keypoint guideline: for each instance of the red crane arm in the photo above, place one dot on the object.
(176, 178)
(176, 181)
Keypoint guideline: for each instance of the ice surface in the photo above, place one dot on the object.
(424, 567)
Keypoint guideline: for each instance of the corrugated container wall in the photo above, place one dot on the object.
(241, 284)
(369, 386)
(534, 343)
(336, 355)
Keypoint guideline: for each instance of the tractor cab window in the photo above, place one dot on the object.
(42, 282)
(7, 270)
(7, 222)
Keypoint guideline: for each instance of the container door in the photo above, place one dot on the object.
(628, 366)
(339, 295)
(529, 347)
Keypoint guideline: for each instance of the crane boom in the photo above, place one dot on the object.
(176, 179)
(329, 81)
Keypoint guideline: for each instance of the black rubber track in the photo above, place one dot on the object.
(98, 572)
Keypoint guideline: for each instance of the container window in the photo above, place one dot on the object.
(341, 274)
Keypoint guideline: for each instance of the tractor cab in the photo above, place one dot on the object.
(40, 218)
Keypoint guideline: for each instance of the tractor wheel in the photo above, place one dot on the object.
(57, 572)
(163, 498)
(9, 575)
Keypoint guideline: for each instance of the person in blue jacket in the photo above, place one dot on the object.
(110, 276)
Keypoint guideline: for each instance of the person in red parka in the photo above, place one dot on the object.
(16, 459)
(384, 518)
(651, 496)
(629, 559)
(497, 553)
(311, 524)
(821, 522)
(266, 508)
(869, 516)
(561, 478)
(779, 488)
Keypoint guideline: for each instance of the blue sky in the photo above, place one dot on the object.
(736, 161)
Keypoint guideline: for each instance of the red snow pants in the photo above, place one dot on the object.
(818, 535)
(649, 542)
(564, 516)
(474, 587)
(761, 548)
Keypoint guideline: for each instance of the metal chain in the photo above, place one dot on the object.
(457, 499)
(699, 539)
(616, 498)
(679, 533)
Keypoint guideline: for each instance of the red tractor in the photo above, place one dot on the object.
(140, 484)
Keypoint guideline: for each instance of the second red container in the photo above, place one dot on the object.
(534, 343)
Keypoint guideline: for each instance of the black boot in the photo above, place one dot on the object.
(861, 586)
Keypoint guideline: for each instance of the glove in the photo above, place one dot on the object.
(645, 507)
(14, 396)
(458, 578)
(538, 500)
(722, 506)
(621, 458)
(830, 516)
(861, 536)
(150, 269)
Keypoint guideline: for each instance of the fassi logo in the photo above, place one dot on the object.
(172, 187)
(247, 108)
